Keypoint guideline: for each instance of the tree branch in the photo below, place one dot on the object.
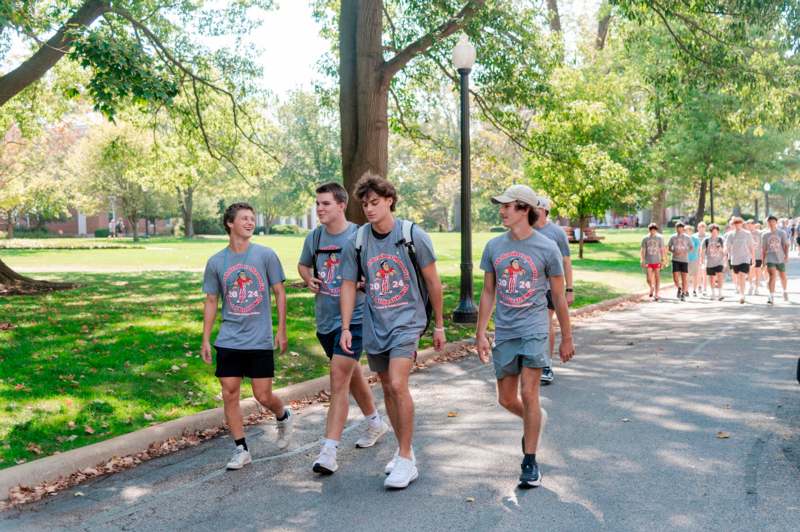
(33, 68)
(401, 59)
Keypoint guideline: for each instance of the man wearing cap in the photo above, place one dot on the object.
(521, 330)
(555, 233)
(774, 251)
(741, 253)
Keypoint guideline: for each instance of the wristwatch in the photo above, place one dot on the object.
(570, 290)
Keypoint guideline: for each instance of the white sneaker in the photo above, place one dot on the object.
(404, 473)
(325, 464)
(750, 293)
(371, 435)
(284, 429)
(391, 463)
(239, 459)
(757, 291)
(770, 301)
(786, 296)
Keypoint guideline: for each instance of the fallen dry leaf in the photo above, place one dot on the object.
(6, 326)
(470, 499)
(148, 417)
(723, 435)
(452, 414)
(88, 429)
(625, 420)
(35, 449)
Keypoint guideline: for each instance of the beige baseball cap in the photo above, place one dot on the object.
(521, 193)
(544, 203)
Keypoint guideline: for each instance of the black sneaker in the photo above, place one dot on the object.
(683, 297)
(679, 293)
(547, 376)
(530, 477)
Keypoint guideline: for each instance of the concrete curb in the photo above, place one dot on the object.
(61, 465)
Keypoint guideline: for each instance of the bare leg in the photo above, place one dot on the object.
(361, 392)
(230, 400)
(532, 411)
(262, 391)
(508, 394)
(399, 403)
(341, 372)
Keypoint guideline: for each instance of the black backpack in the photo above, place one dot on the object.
(407, 240)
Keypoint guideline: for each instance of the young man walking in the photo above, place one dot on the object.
(694, 260)
(521, 329)
(741, 254)
(320, 268)
(242, 275)
(701, 274)
(714, 258)
(775, 251)
(398, 265)
(680, 245)
(755, 270)
(653, 255)
(555, 233)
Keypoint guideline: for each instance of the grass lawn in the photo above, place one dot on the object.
(122, 351)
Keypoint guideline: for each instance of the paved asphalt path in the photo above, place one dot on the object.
(632, 444)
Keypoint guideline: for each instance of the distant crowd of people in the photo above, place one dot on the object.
(744, 250)
(116, 228)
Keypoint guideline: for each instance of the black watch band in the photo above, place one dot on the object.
(570, 290)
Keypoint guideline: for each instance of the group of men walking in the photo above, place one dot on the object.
(376, 289)
(744, 250)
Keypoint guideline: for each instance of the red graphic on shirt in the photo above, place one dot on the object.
(516, 285)
(653, 248)
(388, 281)
(774, 244)
(329, 273)
(714, 248)
(244, 289)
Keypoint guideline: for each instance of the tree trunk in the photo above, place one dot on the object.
(13, 283)
(659, 203)
(133, 222)
(582, 225)
(701, 201)
(10, 226)
(186, 198)
(553, 16)
(363, 96)
(33, 68)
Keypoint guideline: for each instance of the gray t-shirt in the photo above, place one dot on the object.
(773, 243)
(243, 280)
(756, 236)
(714, 251)
(522, 269)
(680, 245)
(740, 247)
(555, 233)
(329, 270)
(652, 246)
(394, 310)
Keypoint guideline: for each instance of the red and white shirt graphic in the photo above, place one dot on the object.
(389, 281)
(244, 289)
(329, 272)
(516, 276)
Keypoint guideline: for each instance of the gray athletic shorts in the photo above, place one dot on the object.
(379, 362)
(694, 267)
(511, 355)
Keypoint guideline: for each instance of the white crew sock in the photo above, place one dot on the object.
(374, 419)
(327, 442)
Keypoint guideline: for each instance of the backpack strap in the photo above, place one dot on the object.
(316, 237)
(407, 240)
(361, 237)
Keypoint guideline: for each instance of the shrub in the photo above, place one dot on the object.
(286, 229)
(208, 226)
(33, 232)
(497, 229)
(101, 233)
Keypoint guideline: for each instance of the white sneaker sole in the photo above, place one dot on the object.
(236, 467)
(401, 485)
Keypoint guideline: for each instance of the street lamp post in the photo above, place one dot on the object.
(767, 188)
(463, 59)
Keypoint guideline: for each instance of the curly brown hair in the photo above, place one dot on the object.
(230, 213)
(371, 182)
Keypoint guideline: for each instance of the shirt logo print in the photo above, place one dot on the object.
(389, 281)
(516, 279)
(329, 273)
(244, 289)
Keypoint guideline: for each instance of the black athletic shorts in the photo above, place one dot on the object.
(330, 342)
(550, 300)
(714, 270)
(759, 263)
(741, 268)
(680, 267)
(253, 363)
